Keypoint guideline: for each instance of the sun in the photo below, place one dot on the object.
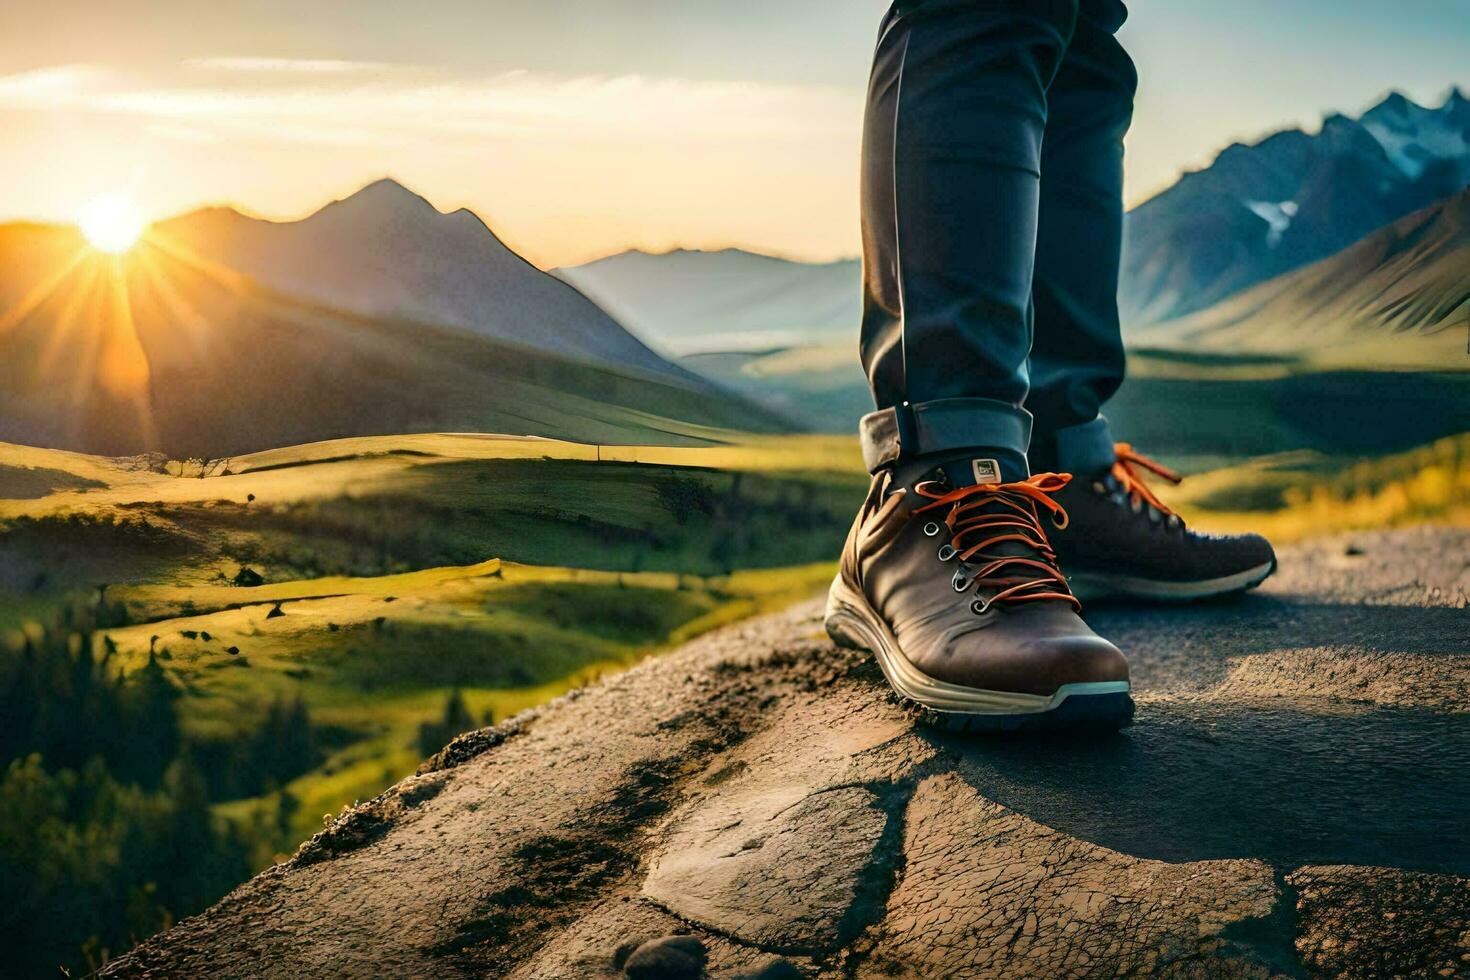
(111, 223)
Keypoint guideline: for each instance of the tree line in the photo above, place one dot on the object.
(106, 831)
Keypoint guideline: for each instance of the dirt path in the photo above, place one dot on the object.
(1291, 800)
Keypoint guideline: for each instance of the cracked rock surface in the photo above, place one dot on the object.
(1290, 801)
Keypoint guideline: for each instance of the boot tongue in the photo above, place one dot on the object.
(984, 466)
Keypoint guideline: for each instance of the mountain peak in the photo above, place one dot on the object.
(1397, 102)
(389, 193)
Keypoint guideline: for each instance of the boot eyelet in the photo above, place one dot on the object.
(931, 529)
(947, 552)
(980, 607)
(959, 582)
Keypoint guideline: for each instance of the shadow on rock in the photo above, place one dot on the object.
(1261, 623)
(1195, 780)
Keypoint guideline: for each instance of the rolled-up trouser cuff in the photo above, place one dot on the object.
(1085, 449)
(941, 426)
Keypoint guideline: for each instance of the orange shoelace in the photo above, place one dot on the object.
(986, 515)
(1132, 481)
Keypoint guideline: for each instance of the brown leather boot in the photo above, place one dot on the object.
(1122, 541)
(958, 594)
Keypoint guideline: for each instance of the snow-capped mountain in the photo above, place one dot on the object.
(1416, 138)
(1292, 198)
(1400, 296)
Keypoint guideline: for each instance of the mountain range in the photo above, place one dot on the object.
(1256, 212)
(379, 313)
(1401, 295)
(219, 335)
(1307, 308)
(1263, 209)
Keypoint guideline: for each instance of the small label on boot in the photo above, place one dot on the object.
(986, 470)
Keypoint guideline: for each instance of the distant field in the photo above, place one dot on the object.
(392, 504)
(1292, 496)
(1203, 415)
(1198, 409)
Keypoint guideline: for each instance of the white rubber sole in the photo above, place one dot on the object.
(1091, 586)
(851, 622)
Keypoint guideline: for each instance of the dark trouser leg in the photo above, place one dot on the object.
(1077, 352)
(952, 152)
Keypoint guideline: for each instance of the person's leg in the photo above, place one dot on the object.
(948, 575)
(1077, 352)
(952, 157)
(1120, 539)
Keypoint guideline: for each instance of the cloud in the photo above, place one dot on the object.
(44, 86)
(180, 134)
(296, 66)
(338, 104)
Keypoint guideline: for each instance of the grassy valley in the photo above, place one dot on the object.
(1199, 409)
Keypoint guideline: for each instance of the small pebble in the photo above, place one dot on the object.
(773, 968)
(625, 950)
(669, 958)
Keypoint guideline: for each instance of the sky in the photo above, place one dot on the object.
(578, 128)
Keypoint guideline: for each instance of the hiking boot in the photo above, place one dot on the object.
(958, 594)
(1122, 541)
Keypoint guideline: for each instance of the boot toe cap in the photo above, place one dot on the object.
(1021, 651)
(1077, 660)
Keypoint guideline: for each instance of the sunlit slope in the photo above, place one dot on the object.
(161, 350)
(1298, 495)
(1401, 296)
(63, 482)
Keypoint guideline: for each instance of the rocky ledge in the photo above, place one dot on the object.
(1290, 801)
